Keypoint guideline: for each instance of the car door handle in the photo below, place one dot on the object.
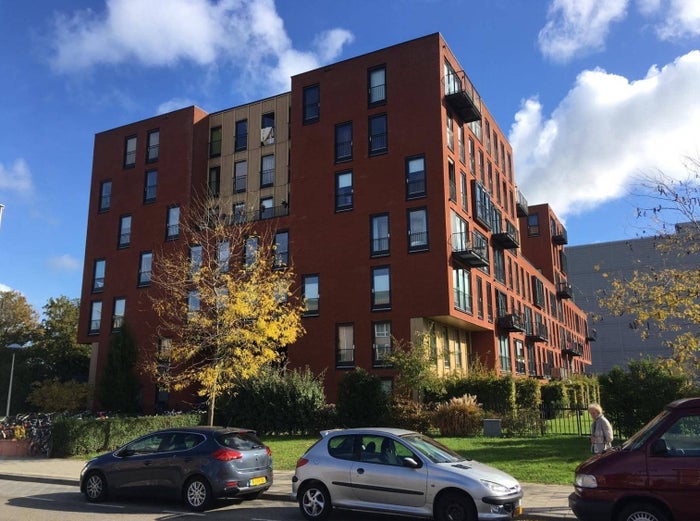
(360, 470)
(147, 462)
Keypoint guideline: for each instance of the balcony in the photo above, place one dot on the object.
(591, 335)
(263, 213)
(538, 333)
(559, 236)
(467, 253)
(564, 290)
(462, 97)
(508, 239)
(511, 322)
(521, 205)
(572, 348)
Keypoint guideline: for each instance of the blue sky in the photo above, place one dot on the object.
(592, 93)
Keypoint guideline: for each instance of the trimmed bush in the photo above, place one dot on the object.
(361, 400)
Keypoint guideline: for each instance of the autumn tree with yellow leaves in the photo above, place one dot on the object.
(667, 299)
(225, 304)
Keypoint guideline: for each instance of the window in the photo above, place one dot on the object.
(118, 315)
(223, 256)
(343, 142)
(487, 131)
(504, 353)
(98, 275)
(446, 358)
(195, 258)
(267, 129)
(240, 176)
(343, 191)
(281, 249)
(267, 209)
(381, 288)
(267, 172)
(377, 86)
(130, 152)
(145, 266)
(463, 191)
(533, 224)
(460, 142)
(153, 146)
(214, 182)
(451, 176)
(215, 142)
(472, 167)
(193, 303)
(417, 229)
(499, 266)
(345, 345)
(239, 213)
(251, 250)
(124, 231)
(379, 230)
(458, 350)
(483, 206)
(378, 143)
(150, 186)
(519, 357)
(461, 283)
(381, 344)
(105, 195)
(172, 225)
(312, 101)
(415, 177)
(241, 139)
(95, 317)
(449, 132)
(538, 292)
(311, 294)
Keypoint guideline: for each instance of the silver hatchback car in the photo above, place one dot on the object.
(400, 472)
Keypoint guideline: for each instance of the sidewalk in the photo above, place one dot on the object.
(541, 502)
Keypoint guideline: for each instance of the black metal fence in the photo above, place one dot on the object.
(565, 420)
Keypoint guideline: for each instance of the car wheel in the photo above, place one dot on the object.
(197, 494)
(95, 487)
(641, 512)
(315, 502)
(454, 506)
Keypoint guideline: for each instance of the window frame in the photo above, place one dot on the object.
(240, 140)
(105, 195)
(129, 159)
(377, 142)
(95, 323)
(98, 282)
(309, 115)
(311, 280)
(380, 274)
(339, 146)
(215, 144)
(376, 240)
(151, 156)
(214, 181)
(343, 361)
(343, 195)
(150, 186)
(421, 178)
(413, 245)
(169, 225)
(124, 237)
(118, 313)
(373, 88)
(142, 280)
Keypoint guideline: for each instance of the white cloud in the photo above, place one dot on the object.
(64, 263)
(248, 34)
(5, 288)
(605, 133)
(16, 178)
(576, 27)
(682, 19)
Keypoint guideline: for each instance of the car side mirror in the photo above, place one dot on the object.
(659, 448)
(125, 453)
(410, 462)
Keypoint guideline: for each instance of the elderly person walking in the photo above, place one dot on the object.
(601, 430)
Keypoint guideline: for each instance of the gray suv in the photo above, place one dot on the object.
(400, 472)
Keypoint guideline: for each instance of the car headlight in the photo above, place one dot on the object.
(586, 481)
(495, 487)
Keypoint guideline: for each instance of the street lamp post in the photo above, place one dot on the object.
(12, 371)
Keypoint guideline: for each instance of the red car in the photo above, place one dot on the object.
(654, 476)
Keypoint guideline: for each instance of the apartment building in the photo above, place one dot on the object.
(391, 191)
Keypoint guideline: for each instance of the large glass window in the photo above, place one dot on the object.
(98, 275)
(240, 176)
(377, 85)
(381, 344)
(461, 283)
(241, 139)
(145, 267)
(193, 302)
(499, 266)
(379, 228)
(343, 191)
(173, 223)
(150, 186)
(281, 246)
(215, 142)
(504, 353)
(449, 131)
(223, 255)
(195, 258)
(378, 139)
(343, 142)
(267, 129)
(267, 208)
(311, 294)
(153, 147)
(251, 250)
(345, 345)
(452, 179)
(415, 177)
(381, 288)
(312, 100)
(533, 224)
(118, 315)
(105, 195)
(130, 152)
(267, 171)
(95, 317)
(417, 229)
(124, 231)
(214, 182)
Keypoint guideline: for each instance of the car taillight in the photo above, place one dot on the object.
(226, 455)
(268, 451)
(301, 462)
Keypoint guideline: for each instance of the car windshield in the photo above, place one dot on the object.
(645, 432)
(431, 449)
(240, 440)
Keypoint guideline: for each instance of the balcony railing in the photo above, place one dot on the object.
(537, 332)
(508, 238)
(511, 322)
(345, 357)
(559, 236)
(521, 205)
(592, 335)
(462, 96)
(267, 212)
(468, 253)
(572, 348)
(564, 290)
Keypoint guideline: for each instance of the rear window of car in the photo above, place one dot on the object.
(342, 447)
(240, 441)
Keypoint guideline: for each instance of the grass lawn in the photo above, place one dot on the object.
(547, 460)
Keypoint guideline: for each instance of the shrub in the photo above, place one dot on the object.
(495, 393)
(408, 414)
(361, 400)
(523, 422)
(54, 395)
(459, 417)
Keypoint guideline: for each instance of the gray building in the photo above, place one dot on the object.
(591, 270)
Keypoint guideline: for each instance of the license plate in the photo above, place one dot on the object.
(257, 481)
(518, 511)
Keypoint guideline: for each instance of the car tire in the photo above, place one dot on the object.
(642, 512)
(315, 501)
(95, 487)
(453, 506)
(197, 493)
